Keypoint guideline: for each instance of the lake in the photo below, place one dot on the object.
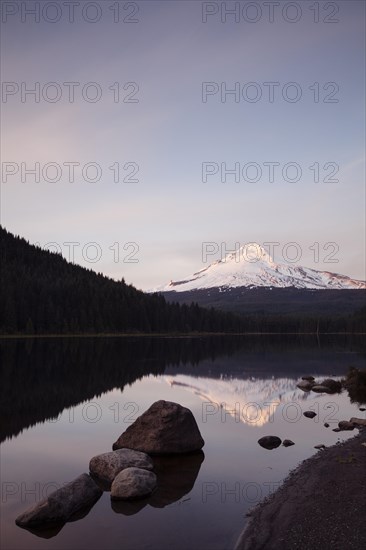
(64, 400)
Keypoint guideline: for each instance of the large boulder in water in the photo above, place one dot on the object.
(165, 428)
(62, 505)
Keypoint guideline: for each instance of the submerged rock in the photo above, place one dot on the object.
(63, 504)
(309, 414)
(269, 442)
(320, 389)
(326, 425)
(106, 466)
(165, 428)
(133, 483)
(344, 425)
(333, 386)
(305, 385)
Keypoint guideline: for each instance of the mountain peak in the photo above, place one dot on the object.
(251, 253)
(251, 266)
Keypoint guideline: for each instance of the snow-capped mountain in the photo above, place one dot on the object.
(252, 267)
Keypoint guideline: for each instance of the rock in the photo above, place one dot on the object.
(305, 385)
(333, 385)
(362, 409)
(309, 414)
(346, 425)
(336, 430)
(358, 421)
(309, 378)
(320, 389)
(269, 442)
(320, 446)
(326, 425)
(287, 443)
(62, 504)
(165, 428)
(106, 466)
(176, 476)
(133, 483)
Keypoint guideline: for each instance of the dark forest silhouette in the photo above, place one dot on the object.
(42, 293)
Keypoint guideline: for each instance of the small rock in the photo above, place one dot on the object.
(133, 483)
(336, 430)
(326, 425)
(305, 385)
(165, 428)
(269, 442)
(309, 414)
(106, 466)
(358, 421)
(333, 386)
(287, 443)
(362, 409)
(309, 378)
(346, 425)
(320, 446)
(59, 506)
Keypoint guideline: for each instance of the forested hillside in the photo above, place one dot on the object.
(42, 293)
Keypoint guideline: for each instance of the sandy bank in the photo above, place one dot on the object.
(321, 504)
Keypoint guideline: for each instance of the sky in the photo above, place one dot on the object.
(158, 130)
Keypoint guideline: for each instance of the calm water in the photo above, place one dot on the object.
(66, 400)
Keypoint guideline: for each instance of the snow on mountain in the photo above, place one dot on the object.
(251, 266)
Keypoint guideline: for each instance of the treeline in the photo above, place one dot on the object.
(42, 293)
(306, 324)
(42, 377)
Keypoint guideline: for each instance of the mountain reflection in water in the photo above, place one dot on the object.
(253, 400)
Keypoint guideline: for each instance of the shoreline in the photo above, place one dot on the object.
(320, 503)
(171, 334)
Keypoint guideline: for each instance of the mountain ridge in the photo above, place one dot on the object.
(252, 267)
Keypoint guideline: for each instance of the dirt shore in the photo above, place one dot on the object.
(321, 504)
